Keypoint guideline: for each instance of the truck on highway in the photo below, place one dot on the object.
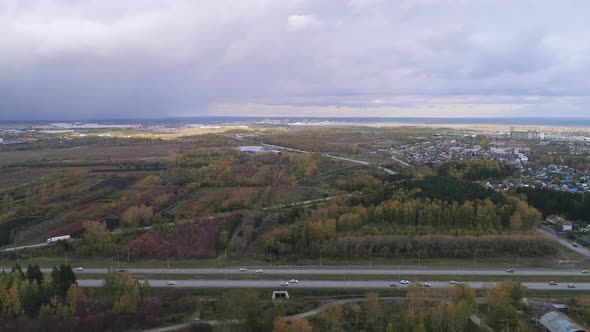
(58, 238)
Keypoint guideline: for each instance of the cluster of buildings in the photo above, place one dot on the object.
(557, 177)
(7, 139)
(439, 151)
(515, 152)
(552, 177)
(432, 152)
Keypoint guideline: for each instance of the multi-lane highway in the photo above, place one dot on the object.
(344, 270)
(350, 270)
(324, 284)
(216, 277)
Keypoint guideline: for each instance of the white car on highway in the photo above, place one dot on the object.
(294, 281)
(79, 269)
(259, 271)
(171, 283)
(453, 282)
(284, 283)
(404, 282)
(243, 269)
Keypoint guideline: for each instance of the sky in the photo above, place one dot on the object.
(105, 59)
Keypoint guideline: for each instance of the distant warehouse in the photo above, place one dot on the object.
(555, 321)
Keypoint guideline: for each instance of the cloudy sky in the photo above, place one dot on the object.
(91, 59)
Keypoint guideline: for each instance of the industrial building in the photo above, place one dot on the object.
(525, 135)
(258, 149)
(555, 321)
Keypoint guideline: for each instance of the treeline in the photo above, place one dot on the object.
(572, 206)
(423, 309)
(439, 246)
(410, 213)
(34, 301)
(450, 189)
(475, 170)
(428, 311)
(432, 205)
(283, 242)
(33, 293)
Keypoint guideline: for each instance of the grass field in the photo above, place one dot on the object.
(334, 294)
(497, 262)
(93, 152)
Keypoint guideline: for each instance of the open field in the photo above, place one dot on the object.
(496, 262)
(92, 153)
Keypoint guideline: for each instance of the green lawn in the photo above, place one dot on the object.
(38, 257)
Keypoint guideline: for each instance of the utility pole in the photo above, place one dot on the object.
(270, 256)
(30, 257)
(167, 258)
(118, 264)
(66, 258)
(320, 256)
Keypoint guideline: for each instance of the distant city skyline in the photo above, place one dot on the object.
(114, 59)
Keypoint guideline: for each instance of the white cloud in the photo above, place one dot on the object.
(300, 22)
(127, 58)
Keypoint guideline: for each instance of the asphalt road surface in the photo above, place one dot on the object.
(322, 284)
(38, 245)
(361, 162)
(565, 242)
(360, 270)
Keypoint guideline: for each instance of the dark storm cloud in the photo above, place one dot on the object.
(113, 58)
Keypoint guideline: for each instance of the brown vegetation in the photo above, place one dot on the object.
(187, 240)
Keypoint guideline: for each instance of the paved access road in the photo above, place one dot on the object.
(327, 155)
(322, 284)
(38, 245)
(349, 270)
(565, 242)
